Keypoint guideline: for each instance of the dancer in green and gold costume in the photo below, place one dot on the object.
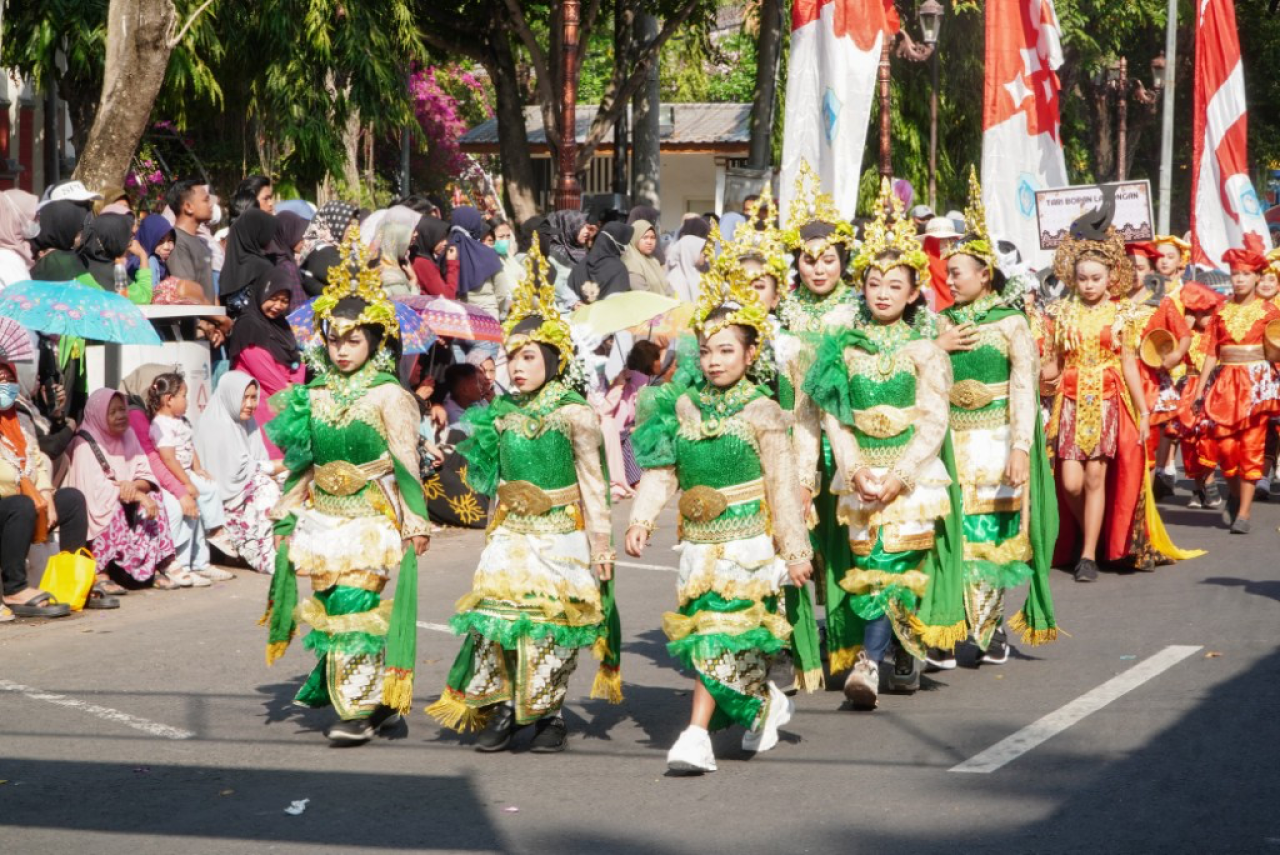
(721, 440)
(353, 509)
(1010, 505)
(882, 388)
(542, 590)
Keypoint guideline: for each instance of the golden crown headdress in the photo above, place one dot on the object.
(976, 241)
(759, 239)
(810, 205)
(727, 285)
(352, 277)
(1273, 262)
(891, 230)
(535, 296)
(1184, 248)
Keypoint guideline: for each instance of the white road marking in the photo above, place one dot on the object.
(105, 713)
(1009, 749)
(437, 627)
(635, 566)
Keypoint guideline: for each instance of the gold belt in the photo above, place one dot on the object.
(528, 499)
(703, 504)
(973, 394)
(341, 478)
(883, 421)
(1241, 354)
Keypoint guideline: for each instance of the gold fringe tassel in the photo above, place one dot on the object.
(1034, 637)
(608, 684)
(842, 660)
(275, 651)
(600, 650)
(266, 616)
(454, 713)
(942, 637)
(397, 690)
(811, 681)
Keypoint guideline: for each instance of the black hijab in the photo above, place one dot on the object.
(247, 257)
(105, 239)
(255, 328)
(427, 236)
(603, 265)
(696, 226)
(60, 225)
(561, 229)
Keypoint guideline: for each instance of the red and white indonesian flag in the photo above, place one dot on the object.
(1224, 206)
(831, 83)
(1021, 141)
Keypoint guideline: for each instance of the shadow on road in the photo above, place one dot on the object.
(1266, 588)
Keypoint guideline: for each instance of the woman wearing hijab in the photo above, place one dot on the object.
(602, 274)
(247, 259)
(685, 266)
(232, 447)
(106, 242)
(262, 345)
(15, 252)
(29, 508)
(327, 228)
(477, 263)
(393, 257)
(290, 231)
(127, 525)
(60, 226)
(564, 238)
(432, 254)
(638, 258)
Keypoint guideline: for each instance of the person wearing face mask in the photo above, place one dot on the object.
(882, 386)
(542, 590)
(503, 240)
(30, 509)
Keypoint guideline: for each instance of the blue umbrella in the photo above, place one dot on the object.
(75, 309)
(415, 335)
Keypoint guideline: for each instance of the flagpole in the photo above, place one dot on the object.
(1166, 132)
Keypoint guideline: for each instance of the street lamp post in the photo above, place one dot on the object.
(930, 15)
(568, 193)
(931, 12)
(1118, 85)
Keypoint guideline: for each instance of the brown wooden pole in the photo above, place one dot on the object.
(882, 76)
(568, 193)
(1122, 111)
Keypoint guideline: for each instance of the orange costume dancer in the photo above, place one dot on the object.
(1202, 304)
(1099, 413)
(1240, 397)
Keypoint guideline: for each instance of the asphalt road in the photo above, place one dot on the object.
(158, 728)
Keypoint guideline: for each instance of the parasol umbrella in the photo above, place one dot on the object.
(672, 324)
(416, 336)
(623, 311)
(75, 309)
(15, 342)
(459, 320)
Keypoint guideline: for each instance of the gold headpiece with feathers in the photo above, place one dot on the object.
(535, 296)
(891, 230)
(352, 277)
(976, 242)
(759, 239)
(727, 285)
(811, 205)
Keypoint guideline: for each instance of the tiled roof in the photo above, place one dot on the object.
(695, 124)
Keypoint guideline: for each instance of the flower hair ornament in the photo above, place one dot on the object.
(1093, 237)
(892, 230)
(535, 296)
(726, 285)
(810, 205)
(354, 278)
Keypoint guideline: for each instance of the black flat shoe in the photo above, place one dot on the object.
(355, 731)
(496, 735)
(1087, 570)
(551, 736)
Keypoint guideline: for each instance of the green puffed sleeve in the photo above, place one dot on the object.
(654, 439)
(290, 430)
(827, 382)
(481, 448)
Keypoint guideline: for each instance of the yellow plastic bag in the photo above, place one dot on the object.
(69, 577)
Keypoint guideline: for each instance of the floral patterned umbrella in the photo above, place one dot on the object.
(73, 308)
(456, 320)
(416, 336)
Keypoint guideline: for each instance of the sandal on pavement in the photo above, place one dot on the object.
(100, 599)
(181, 578)
(215, 573)
(110, 588)
(41, 605)
(162, 582)
(6, 615)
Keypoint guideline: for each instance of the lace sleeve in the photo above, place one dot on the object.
(587, 445)
(806, 433)
(933, 386)
(1024, 378)
(400, 417)
(789, 530)
(656, 488)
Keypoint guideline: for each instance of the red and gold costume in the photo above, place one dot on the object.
(1190, 423)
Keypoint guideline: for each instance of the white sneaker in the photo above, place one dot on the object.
(781, 709)
(197, 580)
(862, 686)
(215, 573)
(180, 577)
(692, 753)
